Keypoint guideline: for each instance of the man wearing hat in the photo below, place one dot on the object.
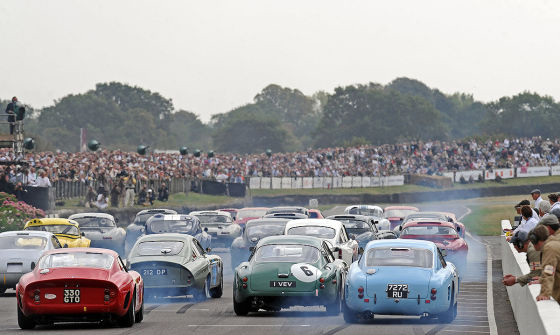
(518, 209)
(536, 195)
(550, 262)
(552, 223)
(553, 199)
(521, 243)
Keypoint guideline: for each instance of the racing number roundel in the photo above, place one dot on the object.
(305, 272)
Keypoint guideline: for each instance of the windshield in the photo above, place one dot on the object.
(250, 213)
(94, 222)
(159, 248)
(213, 219)
(428, 230)
(292, 253)
(170, 226)
(22, 242)
(77, 260)
(315, 231)
(262, 230)
(398, 213)
(426, 216)
(56, 229)
(399, 257)
(142, 218)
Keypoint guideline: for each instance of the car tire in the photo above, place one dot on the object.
(348, 314)
(240, 308)
(334, 308)
(203, 293)
(217, 292)
(127, 320)
(24, 322)
(449, 315)
(140, 314)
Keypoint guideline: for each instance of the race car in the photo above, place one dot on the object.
(102, 230)
(220, 226)
(333, 232)
(358, 227)
(66, 231)
(19, 253)
(80, 284)
(175, 264)
(288, 209)
(437, 216)
(138, 227)
(231, 211)
(286, 271)
(291, 216)
(401, 277)
(249, 213)
(443, 234)
(396, 214)
(255, 230)
(376, 212)
(315, 214)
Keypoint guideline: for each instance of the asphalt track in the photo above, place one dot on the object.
(181, 315)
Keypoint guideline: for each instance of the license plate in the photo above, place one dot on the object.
(397, 291)
(283, 284)
(154, 272)
(71, 296)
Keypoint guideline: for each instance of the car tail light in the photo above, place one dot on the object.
(433, 296)
(321, 280)
(434, 291)
(245, 279)
(360, 292)
(339, 253)
(107, 238)
(107, 296)
(37, 296)
(427, 301)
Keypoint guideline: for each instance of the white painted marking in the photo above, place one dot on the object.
(463, 331)
(198, 309)
(467, 326)
(249, 325)
(489, 291)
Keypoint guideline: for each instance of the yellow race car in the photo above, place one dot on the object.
(67, 231)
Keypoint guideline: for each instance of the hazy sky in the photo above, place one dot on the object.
(211, 56)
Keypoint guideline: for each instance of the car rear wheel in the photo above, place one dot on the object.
(127, 320)
(203, 293)
(217, 292)
(24, 322)
(140, 314)
(348, 314)
(334, 308)
(449, 315)
(241, 308)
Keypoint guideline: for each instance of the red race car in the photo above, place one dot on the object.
(249, 213)
(315, 214)
(443, 234)
(395, 214)
(82, 285)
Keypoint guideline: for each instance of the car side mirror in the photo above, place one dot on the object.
(208, 249)
(32, 265)
(116, 220)
(458, 229)
(361, 251)
(83, 234)
(444, 252)
(65, 246)
(400, 228)
(252, 249)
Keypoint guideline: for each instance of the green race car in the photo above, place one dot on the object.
(175, 265)
(285, 271)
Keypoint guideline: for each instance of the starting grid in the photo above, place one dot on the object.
(287, 183)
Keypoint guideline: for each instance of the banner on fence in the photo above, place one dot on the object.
(356, 182)
(467, 175)
(375, 181)
(265, 183)
(297, 183)
(366, 181)
(336, 182)
(286, 183)
(255, 183)
(394, 180)
(236, 190)
(555, 170)
(536, 171)
(307, 182)
(346, 182)
(317, 182)
(503, 173)
(449, 175)
(276, 183)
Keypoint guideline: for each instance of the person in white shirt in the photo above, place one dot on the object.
(536, 195)
(43, 180)
(530, 221)
(31, 176)
(101, 202)
(553, 199)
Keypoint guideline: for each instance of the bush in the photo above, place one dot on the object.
(14, 214)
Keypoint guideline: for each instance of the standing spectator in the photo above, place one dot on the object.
(31, 177)
(553, 199)
(11, 111)
(19, 191)
(129, 195)
(101, 202)
(163, 192)
(43, 180)
(115, 193)
(536, 195)
(550, 262)
(521, 243)
(544, 208)
(552, 223)
(142, 196)
(528, 222)
(91, 197)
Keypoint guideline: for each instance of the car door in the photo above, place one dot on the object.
(346, 245)
(210, 264)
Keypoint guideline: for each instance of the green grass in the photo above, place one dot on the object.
(175, 201)
(486, 220)
(536, 181)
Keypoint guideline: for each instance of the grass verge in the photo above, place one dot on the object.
(484, 220)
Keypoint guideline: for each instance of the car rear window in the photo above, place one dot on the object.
(250, 213)
(159, 248)
(56, 229)
(77, 260)
(315, 231)
(91, 222)
(428, 230)
(422, 258)
(213, 219)
(292, 253)
(170, 226)
(22, 242)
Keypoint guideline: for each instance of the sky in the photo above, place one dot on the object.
(212, 56)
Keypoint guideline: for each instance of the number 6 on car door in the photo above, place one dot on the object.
(305, 272)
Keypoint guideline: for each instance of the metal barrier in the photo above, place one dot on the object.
(532, 317)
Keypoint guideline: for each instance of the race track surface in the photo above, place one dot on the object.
(182, 315)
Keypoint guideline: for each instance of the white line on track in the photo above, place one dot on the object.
(463, 331)
(489, 292)
(452, 325)
(249, 325)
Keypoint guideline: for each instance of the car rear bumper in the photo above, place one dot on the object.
(383, 305)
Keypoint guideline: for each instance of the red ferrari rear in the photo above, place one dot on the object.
(80, 285)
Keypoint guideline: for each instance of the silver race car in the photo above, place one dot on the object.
(19, 253)
(220, 226)
(102, 230)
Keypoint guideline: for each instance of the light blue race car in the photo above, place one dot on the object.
(401, 277)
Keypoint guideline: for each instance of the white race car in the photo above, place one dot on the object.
(373, 211)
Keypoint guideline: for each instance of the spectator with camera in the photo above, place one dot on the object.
(521, 243)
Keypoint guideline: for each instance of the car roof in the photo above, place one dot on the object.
(72, 250)
(296, 209)
(315, 222)
(37, 233)
(363, 207)
(175, 217)
(292, 239)
(401, 243)
(156, 211)
(427, 215)
(166, 237)
(210, 213)
(268, 220)
(97, 215)
(50, 221)
(428, 222)
(349, 216)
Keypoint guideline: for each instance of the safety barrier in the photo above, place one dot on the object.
(287, 183)
(532, 317)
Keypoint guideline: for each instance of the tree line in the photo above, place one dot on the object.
(121, 116)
